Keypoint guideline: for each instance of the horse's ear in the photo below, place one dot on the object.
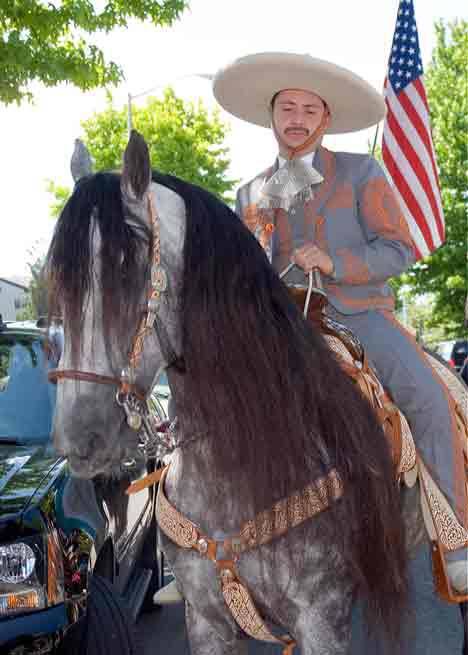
(136, 172)
(81, 163)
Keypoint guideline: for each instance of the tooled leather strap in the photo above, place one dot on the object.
(387, 413)
(85, 376)
(242, 607)
(74, 374)
(287, 513)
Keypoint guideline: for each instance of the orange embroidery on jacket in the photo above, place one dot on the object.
(358, 304)
(259, 223)
(355, 270)
(283, 239)
(321, 234)
(382, 213)
(342, 198)
(251, 217)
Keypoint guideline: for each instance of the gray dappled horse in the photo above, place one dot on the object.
(264, 409)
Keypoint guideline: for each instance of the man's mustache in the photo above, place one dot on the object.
(302, 130)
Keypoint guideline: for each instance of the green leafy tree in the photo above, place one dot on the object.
(37, 302)
(444, 273)
(49, 42)
(183, 139)
(416, 313)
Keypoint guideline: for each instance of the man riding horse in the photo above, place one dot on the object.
(335, 211)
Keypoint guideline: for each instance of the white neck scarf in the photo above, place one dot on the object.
(291, 184)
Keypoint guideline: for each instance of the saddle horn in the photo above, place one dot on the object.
(136, 172)
(81, 163)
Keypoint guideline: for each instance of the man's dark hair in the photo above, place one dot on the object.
(273, 100)
(272, 103)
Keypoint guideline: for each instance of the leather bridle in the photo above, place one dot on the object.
(129, 395)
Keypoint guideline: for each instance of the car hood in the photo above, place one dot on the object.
(24, 472)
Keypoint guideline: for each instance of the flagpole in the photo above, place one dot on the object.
(133, 96)
(375, 139)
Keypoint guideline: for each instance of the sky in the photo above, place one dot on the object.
(37, 139)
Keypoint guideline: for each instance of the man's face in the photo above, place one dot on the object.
(296, 114)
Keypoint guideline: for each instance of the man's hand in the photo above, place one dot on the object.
(309, 256)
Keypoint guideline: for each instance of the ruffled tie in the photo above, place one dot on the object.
(290, 185)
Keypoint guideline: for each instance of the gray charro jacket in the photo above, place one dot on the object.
(354, 216)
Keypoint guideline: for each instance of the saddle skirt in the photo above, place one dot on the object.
(442, 525)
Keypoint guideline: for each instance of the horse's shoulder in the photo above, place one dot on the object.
(168, 201)
(170, 207)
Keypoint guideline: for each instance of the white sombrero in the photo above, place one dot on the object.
(246, 87)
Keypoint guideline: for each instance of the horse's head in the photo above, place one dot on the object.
(109, 279)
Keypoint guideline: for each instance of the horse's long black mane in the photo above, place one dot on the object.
(259, 380)
(96, 203)
(263, 384)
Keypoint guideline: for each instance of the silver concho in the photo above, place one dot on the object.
(158, 278)
(134, 421)
(128, 375)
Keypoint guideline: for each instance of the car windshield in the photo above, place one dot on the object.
(27, 399)
(444, 349)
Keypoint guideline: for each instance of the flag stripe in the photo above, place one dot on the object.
(406, 181)
(419, 241)
(420, 245)
(410, 187)
(422, 110)
(420, 119)
(419, 86)
(411, 101)
(418, 157)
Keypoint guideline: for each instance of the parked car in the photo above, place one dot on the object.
(454, 351)
(464, 371)
(444, 349)
(459, 353)
(79, 559)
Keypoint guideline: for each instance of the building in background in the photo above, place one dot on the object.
(13, 298)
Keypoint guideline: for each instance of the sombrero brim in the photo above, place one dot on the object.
(245, 88)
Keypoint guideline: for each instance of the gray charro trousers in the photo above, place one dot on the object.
(405, 373)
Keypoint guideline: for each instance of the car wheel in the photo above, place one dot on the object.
(106, 627)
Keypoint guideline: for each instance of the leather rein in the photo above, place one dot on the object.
(129, 395)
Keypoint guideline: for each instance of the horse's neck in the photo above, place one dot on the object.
(198, 493)
(192, 484)
(171, 211)
(172, 228)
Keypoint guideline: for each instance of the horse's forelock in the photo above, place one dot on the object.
(93, 225)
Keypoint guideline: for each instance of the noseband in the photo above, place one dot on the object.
(129, 396)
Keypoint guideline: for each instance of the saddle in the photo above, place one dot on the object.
(444, 530)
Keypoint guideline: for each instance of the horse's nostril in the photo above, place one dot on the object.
(94, 443)
(86, 447)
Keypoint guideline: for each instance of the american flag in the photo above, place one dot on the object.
(407, 147)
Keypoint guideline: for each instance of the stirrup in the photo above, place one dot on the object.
(442, 580)
(168, 595)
